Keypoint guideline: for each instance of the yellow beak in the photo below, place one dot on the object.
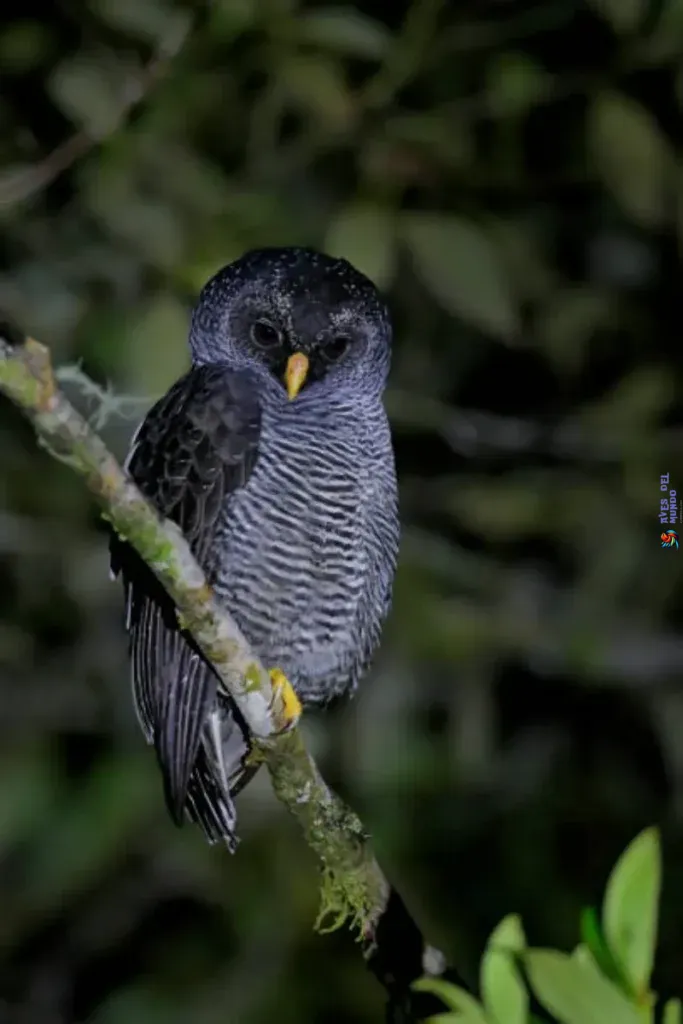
(295, 374)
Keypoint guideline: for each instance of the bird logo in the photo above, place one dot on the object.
(669, 539)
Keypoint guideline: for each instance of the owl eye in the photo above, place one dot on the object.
(336, 347)
(264, 335)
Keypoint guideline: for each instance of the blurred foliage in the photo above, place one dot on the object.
(510, 173)
(606, 977)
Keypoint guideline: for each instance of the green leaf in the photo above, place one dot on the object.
(515, 83)
(466, 1017)
(567, 324)
(582, 953)
(317, 85)
(119, 795)
(575, 992)
(149, 19)
(597, 947)
(23, 45)
(623, 15)
(631, 156)
(462, 268)
(345, 31)
(505, 995)
(432, 135)
(136, 1004)
(26, 794)
(631, 906)
(363, 233)
(91, 91)
(157, 343)
(455, 998)
(636, 402)
(228, 21)
(673, 1012)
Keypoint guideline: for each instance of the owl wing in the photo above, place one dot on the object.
(196, 446)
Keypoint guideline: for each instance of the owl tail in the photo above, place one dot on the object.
(220, 772)
(185, 701)
(209, 805)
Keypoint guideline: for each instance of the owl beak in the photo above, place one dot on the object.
(296, 373)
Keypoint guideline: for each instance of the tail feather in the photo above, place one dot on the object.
(209, 806)
(185, 702)
(219, 773)
(201, 739)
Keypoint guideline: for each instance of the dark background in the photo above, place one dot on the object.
(510, 174)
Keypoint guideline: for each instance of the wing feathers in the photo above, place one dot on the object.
(197, 445)
(186, 699)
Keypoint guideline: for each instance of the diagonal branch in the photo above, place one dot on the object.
(20, 184)
(354, 887)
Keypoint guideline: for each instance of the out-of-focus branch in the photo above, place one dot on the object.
(22, 183)
(354, 886)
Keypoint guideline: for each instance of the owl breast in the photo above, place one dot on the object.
(298, 564)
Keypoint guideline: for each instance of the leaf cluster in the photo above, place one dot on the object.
(604, 980)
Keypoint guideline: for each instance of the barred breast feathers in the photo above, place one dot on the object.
(308, 547)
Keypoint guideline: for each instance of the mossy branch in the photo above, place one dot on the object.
(354, 887)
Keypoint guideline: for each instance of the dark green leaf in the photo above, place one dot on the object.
(364, 234)
(23, 45)
(515, 82)
(317, 85)
(149, 19)
(623, 15)
(345, 31)
(24, 802)
(92, 93)
(592, 935)
(567, 324)
(631, 156)
(462, 268)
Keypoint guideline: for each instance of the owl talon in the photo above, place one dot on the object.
(283, 689)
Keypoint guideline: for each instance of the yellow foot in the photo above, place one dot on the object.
(283, 689)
